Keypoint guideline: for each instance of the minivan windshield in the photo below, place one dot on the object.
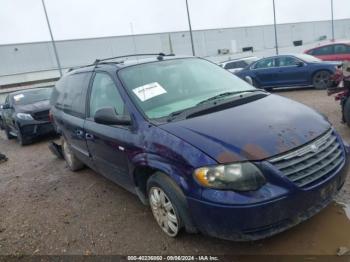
(32, 96)
(162, 88)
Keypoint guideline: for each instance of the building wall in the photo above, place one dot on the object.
(34, 61)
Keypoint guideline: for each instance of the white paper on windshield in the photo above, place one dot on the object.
(149, 91)
(18, 97)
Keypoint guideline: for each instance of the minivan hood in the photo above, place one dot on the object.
(36, 107)
(254, 131)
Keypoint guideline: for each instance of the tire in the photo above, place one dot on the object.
(22, 140)
(162, 211)
(346, 112)
(7, 132)
(322, 79)
(72, 161)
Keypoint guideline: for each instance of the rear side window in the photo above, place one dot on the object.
(70, 94)
(104, 93)
(342, 49)
(325, 50)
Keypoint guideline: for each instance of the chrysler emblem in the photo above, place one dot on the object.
(314, 148)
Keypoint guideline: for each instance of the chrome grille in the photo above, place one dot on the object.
(312, 162)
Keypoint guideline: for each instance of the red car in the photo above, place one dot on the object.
(337, 51)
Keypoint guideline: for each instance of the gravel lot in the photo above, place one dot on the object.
(46, 209)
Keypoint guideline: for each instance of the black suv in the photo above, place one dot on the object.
(25, 114)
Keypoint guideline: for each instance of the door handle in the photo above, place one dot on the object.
(79, 133)
(89, 136)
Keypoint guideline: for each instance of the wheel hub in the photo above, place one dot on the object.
(163, 211)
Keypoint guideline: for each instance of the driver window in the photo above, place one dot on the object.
(104, 93)
(265, 63)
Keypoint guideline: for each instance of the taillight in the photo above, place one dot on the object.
(50, 116)
(341, 95)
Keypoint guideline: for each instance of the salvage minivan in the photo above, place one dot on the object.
(205, 150)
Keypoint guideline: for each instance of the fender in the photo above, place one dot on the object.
(181, 176)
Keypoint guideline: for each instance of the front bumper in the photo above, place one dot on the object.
(37, 129)
(258, 220)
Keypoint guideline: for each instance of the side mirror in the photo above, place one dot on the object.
(108, 116)
(6, 106)
(300, 64)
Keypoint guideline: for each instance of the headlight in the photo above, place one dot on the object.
(24, 116)
(238, 177)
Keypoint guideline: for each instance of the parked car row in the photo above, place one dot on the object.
(184, 135)
(314, 68)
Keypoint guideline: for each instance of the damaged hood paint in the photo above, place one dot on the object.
(254, 131)
(36, 107)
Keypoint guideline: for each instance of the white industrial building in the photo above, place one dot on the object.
(36, 61)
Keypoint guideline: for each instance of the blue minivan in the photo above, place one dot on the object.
(204, 149)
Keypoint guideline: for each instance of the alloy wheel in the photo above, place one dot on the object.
(163, 211)
(322, 80)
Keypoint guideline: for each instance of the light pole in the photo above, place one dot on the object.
(190, 26)
(332, 10)
(275, 26)
(52, 39)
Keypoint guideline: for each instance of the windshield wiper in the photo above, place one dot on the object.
(199, 107)
(175, 114)
(226, 94)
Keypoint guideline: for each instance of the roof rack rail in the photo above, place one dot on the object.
(97, 61)
(78, 67)
(159, 57)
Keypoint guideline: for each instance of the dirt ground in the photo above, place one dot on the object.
(46, 209)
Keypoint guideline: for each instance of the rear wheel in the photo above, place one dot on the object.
(72, 161)
(322, 80)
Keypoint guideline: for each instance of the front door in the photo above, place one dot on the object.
(108, 145)
(291, 71)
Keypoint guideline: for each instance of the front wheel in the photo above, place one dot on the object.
(322, 80)
(22, 140)
(168, 204)
(164, 211)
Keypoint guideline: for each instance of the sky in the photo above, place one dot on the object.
(24, 21)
